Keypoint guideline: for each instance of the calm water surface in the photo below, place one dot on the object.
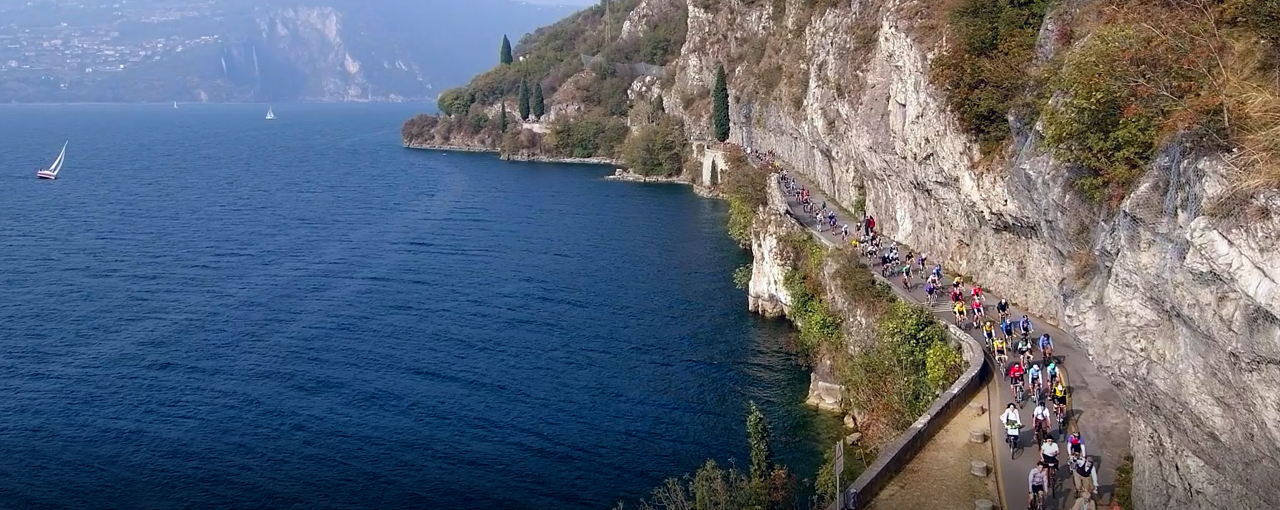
(208, 310)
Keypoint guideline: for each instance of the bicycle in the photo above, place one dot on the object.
(1020, 394)
(1012, 441)
(1061, 412)
(1037, 501)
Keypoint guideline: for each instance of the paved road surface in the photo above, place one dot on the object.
(1096, 408)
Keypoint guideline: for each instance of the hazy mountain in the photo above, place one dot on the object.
(239, 50)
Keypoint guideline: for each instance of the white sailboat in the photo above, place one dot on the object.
(270, 114)
(52, 171)
(175, 105)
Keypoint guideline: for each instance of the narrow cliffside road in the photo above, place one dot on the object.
(1095, 406)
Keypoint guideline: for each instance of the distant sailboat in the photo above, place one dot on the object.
(175, 105)
(52, 171)
(270, 114)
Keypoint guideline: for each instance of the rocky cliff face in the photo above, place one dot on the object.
(1174, 302)
(766, 292)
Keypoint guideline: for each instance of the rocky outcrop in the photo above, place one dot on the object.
(1182, 312)
(1176, 305)
(767, 291)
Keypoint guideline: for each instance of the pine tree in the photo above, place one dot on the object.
(720, 106)
(524, 100)
(502, 119)
(504, 56)
(539, 107)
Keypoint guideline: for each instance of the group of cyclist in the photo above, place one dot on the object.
(1040, 379)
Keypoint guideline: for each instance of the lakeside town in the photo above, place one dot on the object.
(65, 39)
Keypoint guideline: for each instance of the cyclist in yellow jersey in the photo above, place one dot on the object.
(959, 309)
(1000, 348)
(988, 331)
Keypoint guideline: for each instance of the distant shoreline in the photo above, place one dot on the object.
(531, 159)
(181, 102)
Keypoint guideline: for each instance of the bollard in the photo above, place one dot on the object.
(983, 504)
(977, 436)
(978, 468)
(977, 408)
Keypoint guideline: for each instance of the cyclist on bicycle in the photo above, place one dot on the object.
(959, 310)
(1049, 453)
(906, 275)
(999, 349)
(1024, 351)
(1060, 398)
(1051, 373)
(1040, 419)
(937, 270)
(933, 278)
(1015, 377)
(955, 284)
(1012, 423)
(1033, 378)
(975, 292)
(930, 289)
(1025, 325)
(1035, 484)
(956, 296)
(1006, 327)
(1075, 444)
(979, 312)
(989, 332)
(1046, 346)
(1002, 308)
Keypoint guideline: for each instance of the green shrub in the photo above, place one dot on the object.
(656, 149)
(897, 379)
(742, 276)
(986, 71)
(1127, 87)
(746, 189)
(588, 137)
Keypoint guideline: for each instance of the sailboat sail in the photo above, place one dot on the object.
(270, 114)
(57, 163)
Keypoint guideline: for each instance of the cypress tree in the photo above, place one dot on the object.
(758, 437)
(720, 106)
(539, 107)
(504, 56)
(657, 109)
(524, 100)
(502, 119)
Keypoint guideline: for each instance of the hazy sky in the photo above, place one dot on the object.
(562, 2)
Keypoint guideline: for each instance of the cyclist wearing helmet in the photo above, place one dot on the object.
(1006, 327)
(988, 331)
(1015, 377)
(1075, 445)
(1025, 325)
(1046, 346)
(1002, 307)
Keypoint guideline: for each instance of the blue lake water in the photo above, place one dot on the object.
(209, 310)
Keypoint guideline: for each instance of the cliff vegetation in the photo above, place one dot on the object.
(1131, 77)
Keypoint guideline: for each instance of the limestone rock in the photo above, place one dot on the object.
(1172, 295)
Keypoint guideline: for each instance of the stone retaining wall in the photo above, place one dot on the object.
(895, 455)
